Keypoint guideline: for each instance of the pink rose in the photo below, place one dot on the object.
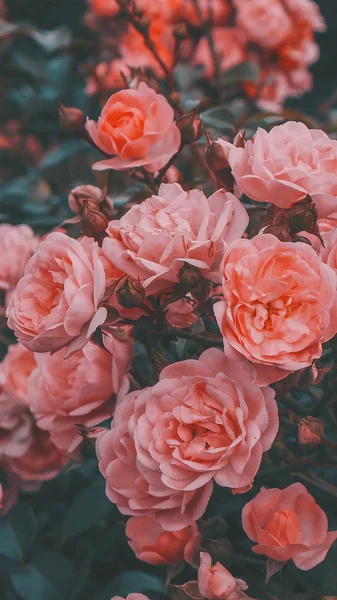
(181, 313)
(153, 545)
(306, 13)
(184, 10)
(288, 524)
(91, 193)
(104, 8)
(286, 164)
(56, 303)
(133, 596)
(279, 305)
(328, 224)
(135, 52)
(328, 252)
(15, 371)
(138, 127)
(154, 239)
(217, 582)
(266, 23)
(81, 389)
(15, 427)
(17, 244)
(108, 76)
(41, 462)
(229, 44)
(205, 419)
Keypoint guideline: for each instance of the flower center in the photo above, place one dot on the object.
(285, 527)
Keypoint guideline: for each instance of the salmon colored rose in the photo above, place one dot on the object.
(154, 239)
(265, 23)
(286, 164)
(217, 583)
(328, 252)
(185, 10)
(153, 545)
(17, 244)
(15, 371)
(15, 427)
(135, 52)
(229, 44)
(138, 127)
(133, 596)
(205, 419)
(104, 8)
(81, 389)
(279, 305)
(41, 462)
(288, 525)
(56, 303)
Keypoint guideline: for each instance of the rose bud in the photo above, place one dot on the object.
(189, 276)
(190, 128)
(240, 139)
(93, 221)
(217, 155)
(310, 430)
(180, 32)
(70, 119)
(131, 293)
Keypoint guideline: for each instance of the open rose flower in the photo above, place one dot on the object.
(17, 244)
(328, 252)
(135, 52)
(80, 390)
(154, 239)
(41, 462)
(265, 23)
(205, 419)
(153, 545)
(15, 427)
(229, 44)
(15, 371)
(133, 596)
(104, 8)
(281, 311)
(56, 302)
(217, 582)
(288, 525)
(138, 127)
(286, 164)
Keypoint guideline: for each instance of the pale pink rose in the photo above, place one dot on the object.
(154, 239)
(108, 76)
(89, 192)
(15, 371)
(41, 462)
(229, 44)
(205, 419)
(138, 127)
(275, 86)
(286, 164)
(80, 390)
(328, 252)
(133, 596)
(328, 224)
(181, 313)
(217, 582)
(288, 524)
(56, 303)
(279, 305)
(15, 427)
(153, 545)
(265, 22)
(306, 13)
(17, 244)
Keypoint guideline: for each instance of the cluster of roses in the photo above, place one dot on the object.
(167, 258)
(276, 35)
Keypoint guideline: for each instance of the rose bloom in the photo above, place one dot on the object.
(265, 23)
(229, 44)
(286, 164)
(279, 304)
(154, 239)
(135, 53)
(288, 524)
(217, 582)
(205, 419)
(56, 301)
(15, 371)
(78, 390)
(181, 313)
(275, 86)
(15, 427)
(138, 127)
(104, 8)
(328, 252)
(133, 596)
(41, 462)
(17, 244)
(328, 224)
(306, 14)
(153, 545)
(184, 10)
(108, 76)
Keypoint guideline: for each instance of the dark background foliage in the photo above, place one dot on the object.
(67, 541)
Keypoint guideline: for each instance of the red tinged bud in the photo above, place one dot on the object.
(189, 276)
(310, 430)
(217, 157)
(190, 128)
(131, 293)
(240, 139)
(70, 119)
(93, 221)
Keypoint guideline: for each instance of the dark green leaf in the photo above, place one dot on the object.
(24, 523)
(32, 585)
(9, 543)
(48, 577)
(89, 507)
(29, 57)
(243, 72)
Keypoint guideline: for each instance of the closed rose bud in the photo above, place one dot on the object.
(189, 276)
(281, 231)
(310, 430)
(93, 221)
(240, 139)
(217, 156)
(190, 128)
(303, 216)
(70, 119)
(131, 293)
(180, 31)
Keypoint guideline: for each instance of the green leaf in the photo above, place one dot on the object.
(32, 585)
(89, 506)
(17, 531)
(131, 582)
(219, 118)
(28, 56)
(9, 543)
(243, 72)
(48, 577)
